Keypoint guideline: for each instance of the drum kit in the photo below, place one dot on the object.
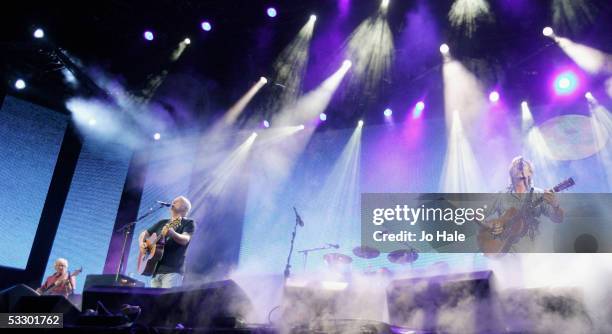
(400, 256)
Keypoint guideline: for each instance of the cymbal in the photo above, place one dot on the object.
(403, 256)
(337, 258)
(366, 252)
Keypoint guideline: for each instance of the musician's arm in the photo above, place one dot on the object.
(553, 209)
(72, 283)
(44, 286)
(184, 237)
(180, 238)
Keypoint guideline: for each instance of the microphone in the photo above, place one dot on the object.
(164, 203)
(298, 218)
(336, 246)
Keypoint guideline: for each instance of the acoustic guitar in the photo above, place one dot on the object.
(59, 282)
(513, 223)
(150, 255)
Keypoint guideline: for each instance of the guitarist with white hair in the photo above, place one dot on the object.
(507, 222)
(171, 236)
(62, 282)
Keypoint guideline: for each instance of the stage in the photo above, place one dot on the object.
(327, 166)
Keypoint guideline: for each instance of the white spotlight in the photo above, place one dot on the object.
(347, 64)
(39, 33)
(301, 127)
(92, 122)
(360, 123)
(263, 80)
(589, 96)
(157, 136)
(384, 4)
(524, 105)
(548, 31)
(20, 84)
(313, 18)
(444, 49)
(254, 134)
(187, 41)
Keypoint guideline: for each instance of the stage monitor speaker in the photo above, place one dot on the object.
(194, 306)
(545, 310)
(9, 297)
(109, 280)
(209, 304)
(48, 304)
(458, 303)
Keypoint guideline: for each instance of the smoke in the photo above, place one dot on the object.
(527, 293)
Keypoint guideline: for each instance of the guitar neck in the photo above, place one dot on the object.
(559, 187)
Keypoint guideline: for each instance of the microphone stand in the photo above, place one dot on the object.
(287, 272)
(306, 251)
(126, 228)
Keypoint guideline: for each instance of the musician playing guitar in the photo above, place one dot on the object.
(515, 214)
(175, 233)
(61, 282)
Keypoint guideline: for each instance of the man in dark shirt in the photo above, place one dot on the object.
(169, 270)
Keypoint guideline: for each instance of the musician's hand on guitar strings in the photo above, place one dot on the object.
(550, 198)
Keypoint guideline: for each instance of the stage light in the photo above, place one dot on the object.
(323, 117)
(263, 80)
(254, 134)
(592, 60)
(371, 50)
(384, 4)
(388, 112)
(157, 136)
(548, 31)
(418, 109)
(589, 96)
(419, 106)
(463, 14)
(444, 49)
(301, 127)
(565, 83)
(20, 84)
(290, 67)
(494, 96)
(39, 33)
(206, 26)
(271, 11)
(148, 35)
(92, 122)
(266, 124)
(360, 123)
(313, 18)
(347, 64)
(526, 117)
(187, 41)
